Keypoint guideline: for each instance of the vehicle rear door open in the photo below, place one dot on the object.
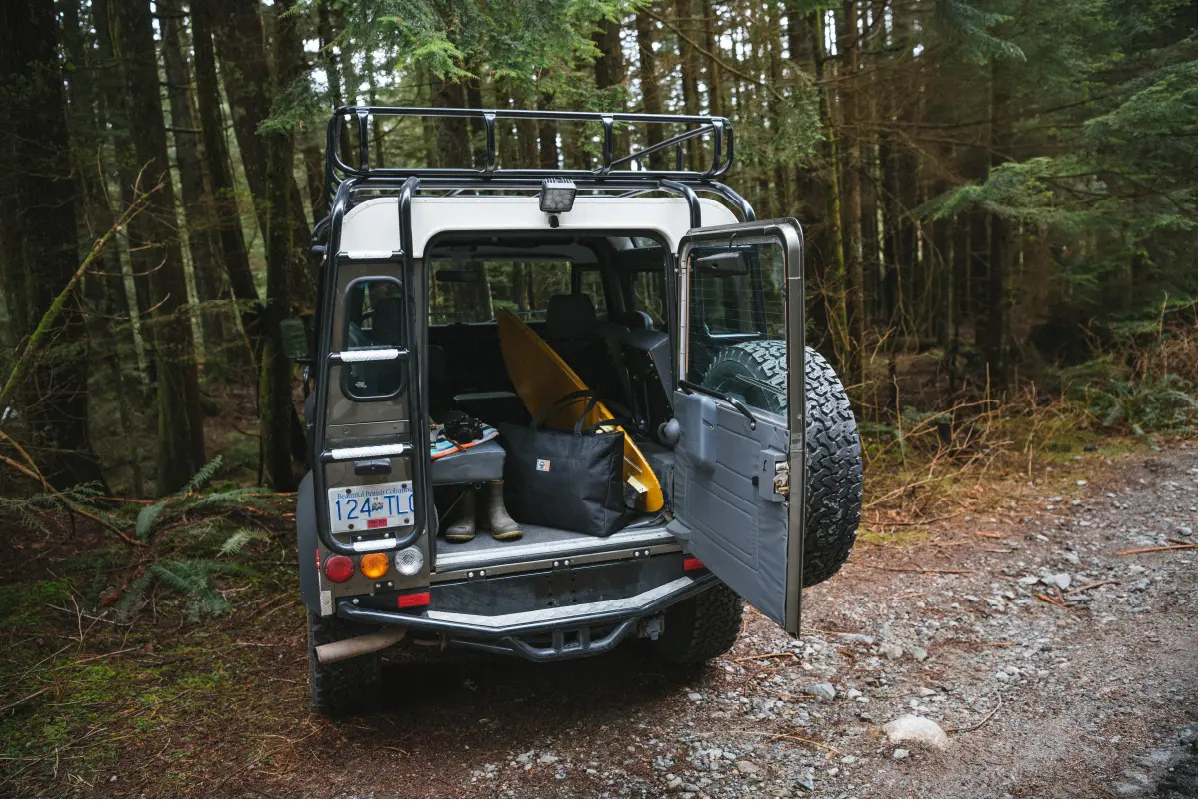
(739, 400)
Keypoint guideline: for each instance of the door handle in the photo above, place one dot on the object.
(373, 467)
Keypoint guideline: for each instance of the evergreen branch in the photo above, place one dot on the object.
(720, 62)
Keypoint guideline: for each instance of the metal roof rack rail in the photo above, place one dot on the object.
(719, 128)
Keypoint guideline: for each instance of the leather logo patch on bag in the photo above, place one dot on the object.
(543, 465)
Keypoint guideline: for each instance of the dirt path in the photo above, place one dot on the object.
(1097, 699)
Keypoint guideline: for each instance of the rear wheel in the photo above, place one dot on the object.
(349, 685)
(756, 373)
(700, 628)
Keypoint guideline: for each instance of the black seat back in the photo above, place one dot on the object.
(570, 324)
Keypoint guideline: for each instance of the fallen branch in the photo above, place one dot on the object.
(799, 739)
(1181, 542)
(778, 736)
(910, 569)
(1189, 546)
(17, 704)
(924, 522)
(1051, 601)
(766, 656)
(991, 536)
(998, 644)
(980, 724)
(1092, 586)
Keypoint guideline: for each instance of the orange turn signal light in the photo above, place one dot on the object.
(374, 565)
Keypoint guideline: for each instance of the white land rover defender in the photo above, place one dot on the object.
(657, 285)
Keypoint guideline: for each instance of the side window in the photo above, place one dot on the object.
(649, 295)
(374, 319)
(592, 285)
(737, 321)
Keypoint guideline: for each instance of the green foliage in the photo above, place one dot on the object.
(238, 540)
(33, 511)
(968, 28)
(1119, 400)
(191, 578)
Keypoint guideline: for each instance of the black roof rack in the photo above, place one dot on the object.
(337, 170)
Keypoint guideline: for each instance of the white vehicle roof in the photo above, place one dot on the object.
(374, 225)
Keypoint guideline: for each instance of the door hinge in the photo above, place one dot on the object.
(781, 483)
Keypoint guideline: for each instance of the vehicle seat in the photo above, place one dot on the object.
(570, 325)
(484, 462)
(635, 320)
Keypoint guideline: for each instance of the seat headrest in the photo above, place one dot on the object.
(634, 320)
(569, 316)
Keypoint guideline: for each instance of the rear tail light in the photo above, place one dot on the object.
(692, 563)
(413, 599)
(339, 568)
(410, 561)
(374, 565)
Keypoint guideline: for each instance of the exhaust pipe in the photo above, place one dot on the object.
(357, 646)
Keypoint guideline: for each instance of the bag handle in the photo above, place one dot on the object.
(571, 399)
(561, 403)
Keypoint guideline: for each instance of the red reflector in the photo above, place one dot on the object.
(339, 568)
(378, 522)
(414, 599)
(692, 563)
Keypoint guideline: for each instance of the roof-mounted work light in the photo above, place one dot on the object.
(558, 195)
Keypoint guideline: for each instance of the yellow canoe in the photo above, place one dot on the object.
(540, 377)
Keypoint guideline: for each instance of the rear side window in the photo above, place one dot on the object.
(592, 285)
(374, 320)
(649, 296)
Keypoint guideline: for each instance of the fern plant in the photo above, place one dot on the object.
(236, 500)
(191, 578)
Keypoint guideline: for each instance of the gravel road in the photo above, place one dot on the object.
(1092, 696)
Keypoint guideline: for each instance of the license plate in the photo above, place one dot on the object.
(371, 506)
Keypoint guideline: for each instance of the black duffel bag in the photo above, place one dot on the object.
(565, 479)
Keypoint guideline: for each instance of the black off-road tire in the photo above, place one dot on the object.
(833, 484)
(700, 628)
(345, 687)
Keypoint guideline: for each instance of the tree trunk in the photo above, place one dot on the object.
(651, 93)
(180, 425)
(999, 292)
(41, 240)
(333, 72)
(104, 286)
(111, 81)
(216, 155)
(239, 37)
(610, 79)
(192, 189)
(283, 270)
(851, 141)
(716, 89)
(685, 17)
(835, 273)
(547, 135)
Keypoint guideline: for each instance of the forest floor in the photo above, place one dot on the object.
(1094, 697)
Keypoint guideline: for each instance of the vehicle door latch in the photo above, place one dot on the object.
(781, 483)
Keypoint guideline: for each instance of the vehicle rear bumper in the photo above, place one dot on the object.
(541, 635)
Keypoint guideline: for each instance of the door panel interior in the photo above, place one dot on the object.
(724, 482)
(739, 488)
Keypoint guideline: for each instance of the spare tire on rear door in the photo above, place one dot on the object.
(756, 373)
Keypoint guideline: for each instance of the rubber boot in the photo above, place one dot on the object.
(462, 526)
(503, 527)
